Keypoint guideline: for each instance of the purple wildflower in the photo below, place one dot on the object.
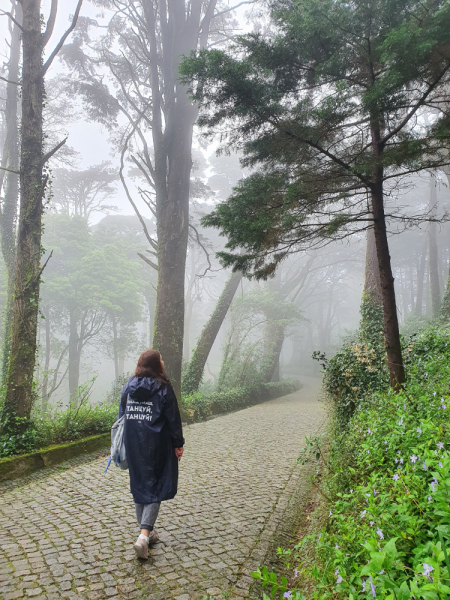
(424, 467)
(401, 422)
(287, 594)
(372, 587)
(380, 534)
(419, 430)
(440, 465)
(413, 458)
(395, 478)
(427, 569)
(363, 586)
(363, 514)
(296, 572)
(440, 445)
(339, 578)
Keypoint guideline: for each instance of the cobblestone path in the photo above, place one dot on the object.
(69, 533)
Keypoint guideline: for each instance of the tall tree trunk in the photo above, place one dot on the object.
(19, 381)
(121, 365)
(46, 314)
(174, 30)
(435, 290)
(196, 367)
(115, 349)
(391, 327)
(274, 344)
(10, 160)
(172, 227)
(420, 278)
(189, 307)
(371, 324)
(74, 357)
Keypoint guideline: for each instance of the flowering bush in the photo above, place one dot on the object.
(386, 532)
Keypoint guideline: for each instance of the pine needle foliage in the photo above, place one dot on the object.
(303, 106)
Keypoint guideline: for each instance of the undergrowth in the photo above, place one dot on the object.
(57, 425)
(385, 483)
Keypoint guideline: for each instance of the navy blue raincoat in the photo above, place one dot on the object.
(152, 431)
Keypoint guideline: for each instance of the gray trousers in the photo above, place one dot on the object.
(146, 515)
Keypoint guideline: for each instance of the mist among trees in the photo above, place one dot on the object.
(209, 180)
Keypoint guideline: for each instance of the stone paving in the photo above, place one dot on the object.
(69, 533)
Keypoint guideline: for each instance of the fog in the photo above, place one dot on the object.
(98, 293)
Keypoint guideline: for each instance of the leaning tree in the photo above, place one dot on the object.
(333, 110)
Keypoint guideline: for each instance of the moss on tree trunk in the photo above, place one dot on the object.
(19, 380)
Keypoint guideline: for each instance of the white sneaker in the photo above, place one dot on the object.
(141, 546)
(153, 537)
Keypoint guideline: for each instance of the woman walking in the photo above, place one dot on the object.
(153, 443)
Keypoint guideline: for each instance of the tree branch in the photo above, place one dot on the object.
(10, 170)
(44, 265)
(127, 191)
(223, 12)
(60, 44)
(415, 108)
(148, 261)
(209, 268)
(9, 81)
(8, 14)
(49, 154)
(50, 23)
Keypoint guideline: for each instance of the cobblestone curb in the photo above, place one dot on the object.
(19, 466)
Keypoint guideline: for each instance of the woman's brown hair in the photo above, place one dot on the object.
(150, 365)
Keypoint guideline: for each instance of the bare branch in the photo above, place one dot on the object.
(10, 170)
(209, 268)
(127, 191)
(50, 23)
(44, 265)
(223, 12)
(8, 14)
(60, 44)
(49, 154)
(148, 261)
(9, 81)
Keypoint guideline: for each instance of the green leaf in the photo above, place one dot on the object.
(375, 565)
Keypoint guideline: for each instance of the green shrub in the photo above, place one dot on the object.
(360, 366)
(387, 479)
(199, 406)
(56, 426)
(60, 426)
